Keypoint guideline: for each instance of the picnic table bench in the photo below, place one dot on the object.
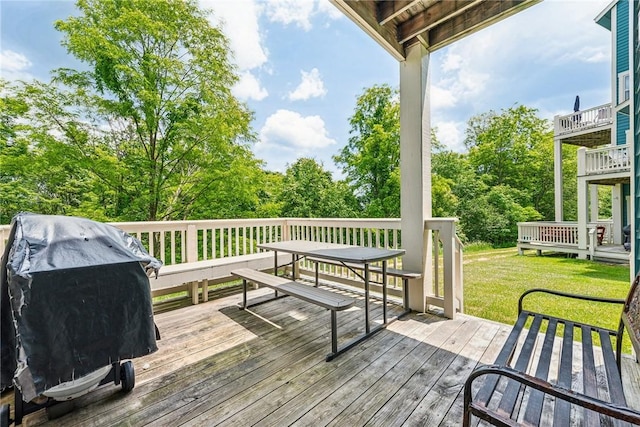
(332, 301)
(510, 393)
(405, 275)
(192, 275)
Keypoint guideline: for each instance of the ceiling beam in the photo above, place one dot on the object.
(482, 15)
(387, 10)
(434, 15)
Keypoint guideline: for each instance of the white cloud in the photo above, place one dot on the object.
(451, 62)
(240, 23)
(290, 129)
(501, 64)
(14, 65)
(451, 134)
(442, 98)
(311, 86)
(287, 12)
(248, 87)
(325, 6)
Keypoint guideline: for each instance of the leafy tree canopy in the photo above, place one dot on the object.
(371, 158)
(156, 115)
(309, 192)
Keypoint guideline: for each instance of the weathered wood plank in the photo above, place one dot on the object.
(410, 373)
(341, 389)
(297, 392)
(171, 385)
(453, 417)
(241, 393)
(438, 400)
(416, 371)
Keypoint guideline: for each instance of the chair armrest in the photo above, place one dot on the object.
(568, 295)
(592, 403)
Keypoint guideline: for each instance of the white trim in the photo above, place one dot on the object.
(620, 84)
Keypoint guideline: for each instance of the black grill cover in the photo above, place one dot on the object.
(74, 298)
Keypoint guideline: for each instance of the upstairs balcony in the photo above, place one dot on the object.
(607, 165)
(586, 128)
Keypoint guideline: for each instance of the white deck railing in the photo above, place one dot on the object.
(556, 233)
(563, 234)
(583, 120)
(188, 241)
(609, 159)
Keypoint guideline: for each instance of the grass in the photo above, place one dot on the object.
(495, 279)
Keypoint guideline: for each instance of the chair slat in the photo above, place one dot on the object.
(613, 375)
(536, 398)
(589, 380)
(484, 394)
(562, 412)
(510, 395)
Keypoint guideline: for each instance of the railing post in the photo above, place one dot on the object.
(192, 243)
(583, 204)
(451, 263)
(285, 230)
(448, 256)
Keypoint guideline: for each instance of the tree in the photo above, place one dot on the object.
(156, 116)
(371, 158)
(308, 191)
(514, 148)
(38, 172)
(492, 216)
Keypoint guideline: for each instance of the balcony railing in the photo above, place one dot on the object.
(176, 242)
(583, 120)
(603, 160)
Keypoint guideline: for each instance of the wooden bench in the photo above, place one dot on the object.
(405, 275)
(172, 278)
(324, 298)
(511, 393)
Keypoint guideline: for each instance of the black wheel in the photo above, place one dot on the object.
(127, 376)
(4, 416)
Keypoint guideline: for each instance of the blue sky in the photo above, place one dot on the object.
(303, 65)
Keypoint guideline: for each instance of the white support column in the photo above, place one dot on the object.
(594, 203)
(415, 170)
(616, 214)
(557, 179)
(583, 204)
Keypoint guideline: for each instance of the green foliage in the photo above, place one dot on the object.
(506, 177)
(514, 148)
(165, 137)
(371, 158)
(308, 191)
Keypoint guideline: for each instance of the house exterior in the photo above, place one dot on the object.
(605, 137)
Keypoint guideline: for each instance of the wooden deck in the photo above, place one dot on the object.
(218, 365)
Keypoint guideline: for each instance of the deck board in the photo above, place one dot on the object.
(219, 365)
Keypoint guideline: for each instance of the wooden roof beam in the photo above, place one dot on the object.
(431, 17)
(474, 19)
(387, 10)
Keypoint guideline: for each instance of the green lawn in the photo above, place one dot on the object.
(495, 279)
